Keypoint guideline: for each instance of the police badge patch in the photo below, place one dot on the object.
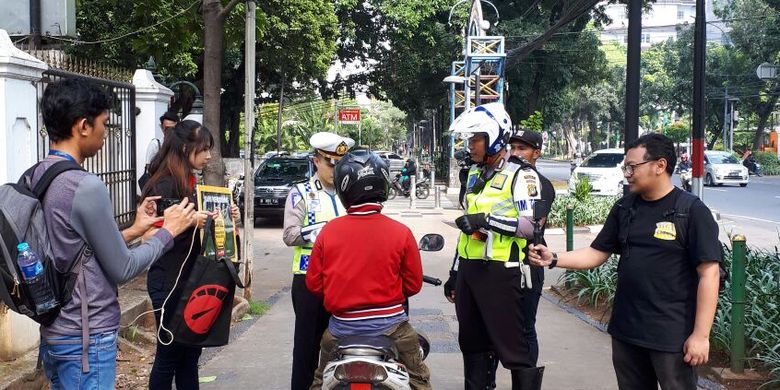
(532, 191)
(498, 181)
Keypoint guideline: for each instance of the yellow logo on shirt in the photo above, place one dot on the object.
(665, 231)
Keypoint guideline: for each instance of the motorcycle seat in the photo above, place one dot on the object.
(367, 346)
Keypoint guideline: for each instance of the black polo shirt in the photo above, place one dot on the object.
(655, 301)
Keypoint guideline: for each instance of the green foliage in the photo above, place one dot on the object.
(591, 211)
(769, 163)
(533, 122)
(678, 132)
(258, 308)
(582, 189)
(595, 286)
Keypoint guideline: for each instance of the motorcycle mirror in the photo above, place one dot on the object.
(431, 242)
(540, 209)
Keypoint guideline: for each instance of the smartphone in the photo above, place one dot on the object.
(164, 203)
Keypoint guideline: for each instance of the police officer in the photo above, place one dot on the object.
(527, 145)
(491, 279)
(310, 205)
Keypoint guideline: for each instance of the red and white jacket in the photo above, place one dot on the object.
(364, 265)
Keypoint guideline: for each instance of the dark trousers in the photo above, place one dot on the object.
(639, 368)
(530, 306)
(311, 320)
(174, 361)
(489, 305)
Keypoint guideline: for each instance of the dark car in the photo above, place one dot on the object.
(273, 181)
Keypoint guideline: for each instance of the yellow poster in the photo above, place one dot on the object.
(219, 200)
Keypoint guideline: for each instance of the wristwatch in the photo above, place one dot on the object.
(554, 261)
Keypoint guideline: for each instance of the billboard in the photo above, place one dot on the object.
(58, 17)
(349, 115)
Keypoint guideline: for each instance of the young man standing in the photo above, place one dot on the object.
(365, 281)
(527, 145)
(668, 275)
(310, 205)
(78, 350)
(168, 120)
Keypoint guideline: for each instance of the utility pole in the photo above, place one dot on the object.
(632, 72)
(249, 125)
(279, 117)
(725, 114)
(699, 108)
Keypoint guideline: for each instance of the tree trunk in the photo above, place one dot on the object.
(763, 116)
(532, 101)
(213, 46)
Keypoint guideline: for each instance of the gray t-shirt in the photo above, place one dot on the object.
(78, 209)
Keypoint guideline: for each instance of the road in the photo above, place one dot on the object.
(753, 210)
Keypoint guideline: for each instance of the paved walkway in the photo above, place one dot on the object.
(577, 355)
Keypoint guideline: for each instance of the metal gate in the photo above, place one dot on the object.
(114, 164)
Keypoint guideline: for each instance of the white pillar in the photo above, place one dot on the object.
(19, 73)
(152, 98)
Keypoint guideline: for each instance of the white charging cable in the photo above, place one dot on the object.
(161, 327)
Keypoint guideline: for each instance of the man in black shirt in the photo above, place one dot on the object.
(667, 288)
(527, 145)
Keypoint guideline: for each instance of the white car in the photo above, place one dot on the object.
(603, 170)
(723, 168)
(394, 161)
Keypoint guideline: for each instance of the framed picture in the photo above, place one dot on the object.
(219, 200)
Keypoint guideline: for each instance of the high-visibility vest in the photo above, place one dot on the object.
(495, 199)
(320, 206)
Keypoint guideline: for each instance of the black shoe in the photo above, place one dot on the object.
(527, 378)
(478, 371)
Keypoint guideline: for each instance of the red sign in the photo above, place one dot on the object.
(349, 115)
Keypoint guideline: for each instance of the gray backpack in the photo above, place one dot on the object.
(22, 220)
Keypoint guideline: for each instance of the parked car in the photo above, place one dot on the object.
(273, 181)
(602, 168)
(723, 168)
(394, 161)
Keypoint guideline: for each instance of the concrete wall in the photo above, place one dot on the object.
(18, 151)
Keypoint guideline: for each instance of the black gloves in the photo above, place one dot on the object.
(470, 223)
(449, 285)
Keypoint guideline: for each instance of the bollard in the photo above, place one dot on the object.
(739, 246)
(412, 191)
(437, 197)
(569, 229)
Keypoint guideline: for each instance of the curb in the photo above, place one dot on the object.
(702, 382)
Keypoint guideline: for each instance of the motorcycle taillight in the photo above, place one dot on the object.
(360, 372)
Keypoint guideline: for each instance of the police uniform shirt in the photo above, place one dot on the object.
(294, 212)
(655, 302)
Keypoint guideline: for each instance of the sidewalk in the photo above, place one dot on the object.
(577, 355)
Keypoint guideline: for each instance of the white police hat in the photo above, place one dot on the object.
(331, 145)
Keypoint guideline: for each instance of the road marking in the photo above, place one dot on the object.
(778, 197)
(752, 218)
(715, 189)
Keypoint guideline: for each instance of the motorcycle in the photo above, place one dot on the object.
(422, 189)
(754, 168)
(685, 179)
(371, 362)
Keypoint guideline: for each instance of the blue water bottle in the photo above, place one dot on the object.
(35, 278)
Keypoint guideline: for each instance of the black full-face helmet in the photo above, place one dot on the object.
(362, 178)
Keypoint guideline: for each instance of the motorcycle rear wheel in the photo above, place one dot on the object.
(423, 192)
(391, 194)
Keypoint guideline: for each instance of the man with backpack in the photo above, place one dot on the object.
(78, 348)
(168, 120)
(668, 274)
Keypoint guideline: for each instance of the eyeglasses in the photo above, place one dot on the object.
(628, 169)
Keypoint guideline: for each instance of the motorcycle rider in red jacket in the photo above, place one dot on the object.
(365, 265)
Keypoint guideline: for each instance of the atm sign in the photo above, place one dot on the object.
(349, 115)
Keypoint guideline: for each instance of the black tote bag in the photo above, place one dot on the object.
(203, 312)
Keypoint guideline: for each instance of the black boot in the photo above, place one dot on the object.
(476, 370)
(527, 378)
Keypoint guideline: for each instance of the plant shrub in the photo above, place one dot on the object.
(591, 211)
(769, 163)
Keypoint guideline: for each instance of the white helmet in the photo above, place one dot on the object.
(490, 119)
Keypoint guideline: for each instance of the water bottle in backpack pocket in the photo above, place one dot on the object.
(35, 279)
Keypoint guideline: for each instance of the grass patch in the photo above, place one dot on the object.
(258, 308)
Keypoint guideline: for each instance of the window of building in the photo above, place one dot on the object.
(680, 13)
(645, 38)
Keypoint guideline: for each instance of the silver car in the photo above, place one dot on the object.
(723, 168)
(394, 161)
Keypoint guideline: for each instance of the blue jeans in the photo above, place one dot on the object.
(62, 361)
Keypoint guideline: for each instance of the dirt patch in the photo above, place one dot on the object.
(601, 313)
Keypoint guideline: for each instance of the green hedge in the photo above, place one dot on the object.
(769, 163)
(592, 210)
(762, 314)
